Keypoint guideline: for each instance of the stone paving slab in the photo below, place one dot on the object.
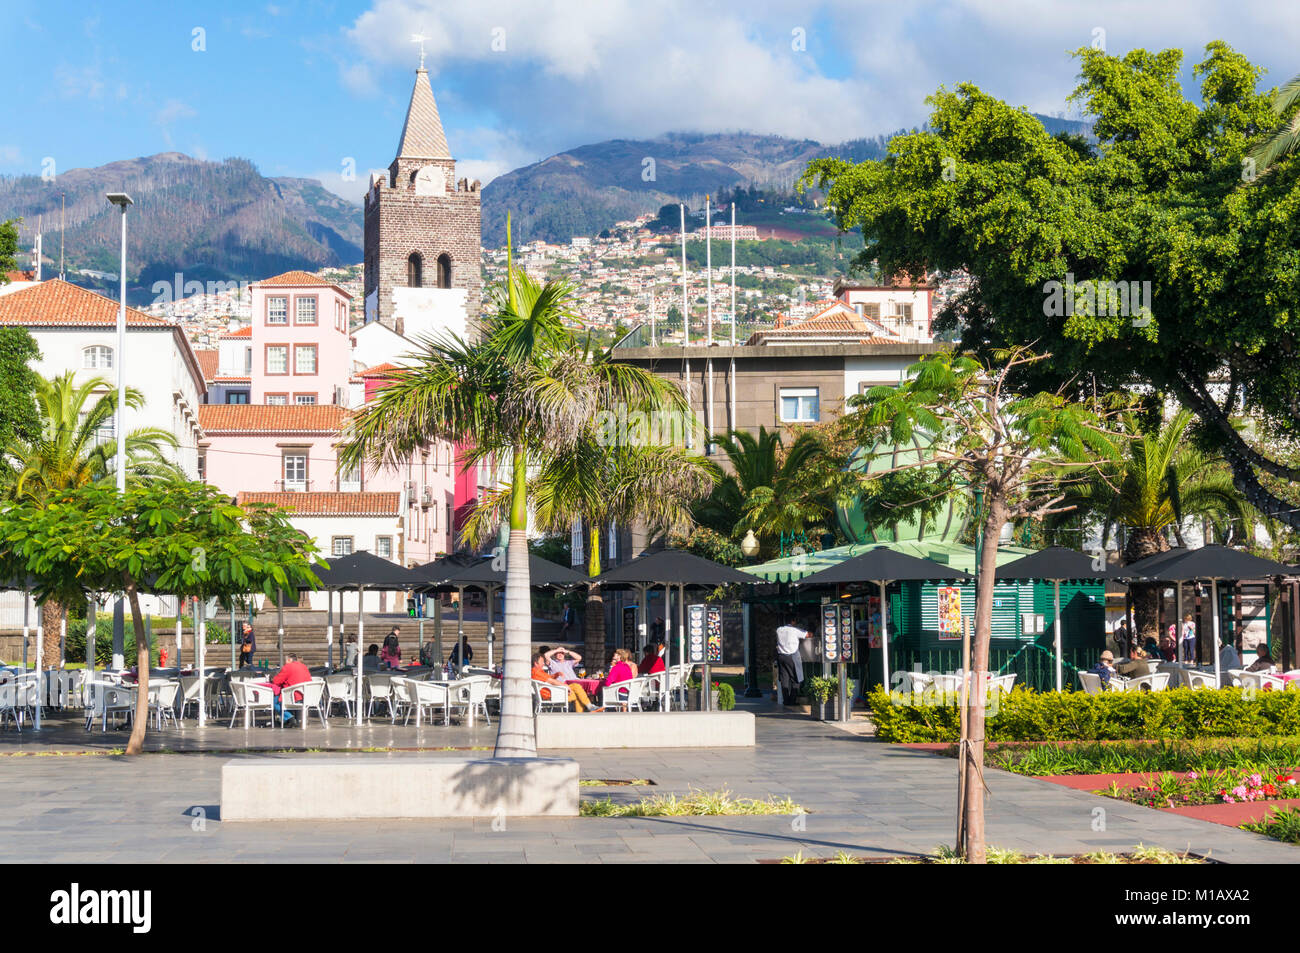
(865, 797)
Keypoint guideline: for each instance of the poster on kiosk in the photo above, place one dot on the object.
(704, 635)
(837, 633)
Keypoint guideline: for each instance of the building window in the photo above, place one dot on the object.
(277, 400)
(237, 397)
(277, 310)
(901, 312)
(277, 359)
(432, 526)
(415, 271)
(384, 547)
(203, 466)
(350, 480)
(305, 310)
(444, 271)
(295, 471)
(340, 317)
(304, 359)
(341, 545)
(799, 405)
(304, 398)
(97, 357)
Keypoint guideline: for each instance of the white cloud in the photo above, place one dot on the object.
(353, 189)
(173, 111)
(357, 78)
(10, 155)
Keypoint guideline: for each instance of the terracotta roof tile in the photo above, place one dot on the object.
(245, 332)
(329, 504)
(271, 418)
(58, 303)
(299, 279)
(207, 359)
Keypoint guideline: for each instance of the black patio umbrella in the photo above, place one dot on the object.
(1209, 563)
(1056, 564)
(433, 573)
(883, 565)
(669, 568)
(361, 570)
(481, 574)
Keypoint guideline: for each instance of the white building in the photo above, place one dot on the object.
(76, 330)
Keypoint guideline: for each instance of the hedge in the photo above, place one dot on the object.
(1026, 715)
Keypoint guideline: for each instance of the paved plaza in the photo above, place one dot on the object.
(866, 797)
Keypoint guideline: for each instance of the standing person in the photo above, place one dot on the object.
(567, 619)
(247, 645)
(350, 651)
(1188, 639)
(461, 653)
(789, 666)
(391, 654)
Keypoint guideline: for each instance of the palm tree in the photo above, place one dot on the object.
(599, 485)
(770, 490)
(70, 451)
(1159, 479)
(1285, 138)
(525, 391)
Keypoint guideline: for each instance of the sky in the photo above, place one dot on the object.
(319, 89)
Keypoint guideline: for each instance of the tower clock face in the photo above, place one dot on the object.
(430, 181)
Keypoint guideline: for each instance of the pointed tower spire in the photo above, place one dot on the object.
(422, 135)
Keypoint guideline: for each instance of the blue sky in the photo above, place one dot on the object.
(301, 88)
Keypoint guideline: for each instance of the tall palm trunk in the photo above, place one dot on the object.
(136, 742)
(516, 731)
(974, 762)
(52, 616)
(594, 620)
(1144, 542)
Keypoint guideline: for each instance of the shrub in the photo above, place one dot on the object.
(726, 697)
(164, 633)
(1025, 715)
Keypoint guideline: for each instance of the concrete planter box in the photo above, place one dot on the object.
(823, 711)
(264, 789)
(649, 729)
(694, 697)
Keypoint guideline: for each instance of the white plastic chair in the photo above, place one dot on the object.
(342, 690)
(118, 700)
(430, 695)
(250, 698)
(1261, 681)
(1234, 675)
(399, 697)
(162, 701)
(1156, 682)
(9, 704)
(378, 687)
(623, 696)
(1002, 683)
(472, 695)
(305, 696)
(1091, 682)
(1197, 679)
(556, 697)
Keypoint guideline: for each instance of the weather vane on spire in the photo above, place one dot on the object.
(419, 38)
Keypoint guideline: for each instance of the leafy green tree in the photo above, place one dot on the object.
(1164, 202)
(72, 447)
(524, 392)
(175, 537)
(19, 421)
(8, 248)
(1013, 448)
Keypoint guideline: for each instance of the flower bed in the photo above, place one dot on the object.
(1213, 787)
(1265, 755)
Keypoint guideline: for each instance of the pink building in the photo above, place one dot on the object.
(300, 350)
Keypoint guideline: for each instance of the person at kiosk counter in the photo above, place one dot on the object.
(789, 666)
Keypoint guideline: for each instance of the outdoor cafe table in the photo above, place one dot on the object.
(589, 685)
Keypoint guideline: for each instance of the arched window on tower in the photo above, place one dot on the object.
(414, 271)
(444, 271)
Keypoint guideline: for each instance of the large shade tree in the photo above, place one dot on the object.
(523, 391)
(1157, 255)
(180, 538)
(73, 446)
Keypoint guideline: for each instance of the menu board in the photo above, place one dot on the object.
(629, 628)
(695, 618)
(837, 633)
(713, 634)
(949, 599)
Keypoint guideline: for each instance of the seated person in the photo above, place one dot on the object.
(1104, 668)
(370, 661)
(1264, 663)
(1169, 646)
(1151, 646)
(577, 694)
(1228, 657)
(562, 662)
(1135, 664)
(293, 673)
(621, 669)
(652, 662)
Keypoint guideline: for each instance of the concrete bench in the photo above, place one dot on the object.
(650, 729)
(263, 789)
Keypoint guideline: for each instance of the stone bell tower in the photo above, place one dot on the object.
(423, 264)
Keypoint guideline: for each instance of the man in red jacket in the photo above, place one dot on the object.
(293, 673)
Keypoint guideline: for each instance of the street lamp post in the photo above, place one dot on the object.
(122, 201)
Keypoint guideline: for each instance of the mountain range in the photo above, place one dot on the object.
(224, 220)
